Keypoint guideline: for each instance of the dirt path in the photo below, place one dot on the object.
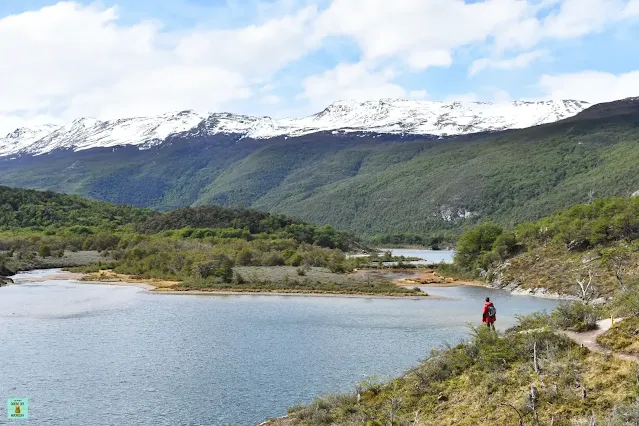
(588, 339)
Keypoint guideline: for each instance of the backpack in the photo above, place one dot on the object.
(491, 311)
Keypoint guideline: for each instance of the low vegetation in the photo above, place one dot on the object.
(528, 376)
(622, 337)
(204, 248)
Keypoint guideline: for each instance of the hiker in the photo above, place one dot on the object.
(490, 314)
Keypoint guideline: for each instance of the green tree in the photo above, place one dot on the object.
(617, 259)
(475, 242)
(505, 245)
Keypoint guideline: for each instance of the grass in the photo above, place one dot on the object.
(487, 381)
(622, 337)
(282, 279)
(300, 280)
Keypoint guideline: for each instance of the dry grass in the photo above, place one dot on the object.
(622, 337)
(480, 382)
(556, 269)
(112, 277)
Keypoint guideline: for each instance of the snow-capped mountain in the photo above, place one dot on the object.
(383, 116)
(23, 137)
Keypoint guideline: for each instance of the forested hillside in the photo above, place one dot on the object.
(595, 244)
(207, 248)
(368, 184)
(21, 208)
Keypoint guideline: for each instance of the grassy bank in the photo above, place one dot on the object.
(492, 379)
(622, 337)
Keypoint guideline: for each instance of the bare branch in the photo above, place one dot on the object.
(521, 418)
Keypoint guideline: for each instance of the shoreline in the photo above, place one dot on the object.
(163, 288)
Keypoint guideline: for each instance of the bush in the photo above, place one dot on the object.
(534, 321)
(575, 316)
(239, 279)
(44, 251)
(625, 303)
(624, 415)
(472, 244)
(272, 259)
(221, 267)
(295, 260)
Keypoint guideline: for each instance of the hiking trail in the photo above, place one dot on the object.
(588, 339)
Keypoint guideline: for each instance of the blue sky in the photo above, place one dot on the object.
(293, 57)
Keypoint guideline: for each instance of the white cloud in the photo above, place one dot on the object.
(632, 9)
(350, 82)
(256, 51)
(501, 96)
(271, 100)
(579, 17)
(593, 86)
(420, 60)
(68, 60)
(418, 94)
(519, 61)
(421, 32)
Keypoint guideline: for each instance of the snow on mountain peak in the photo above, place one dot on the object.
(22, 137)
(381, 116)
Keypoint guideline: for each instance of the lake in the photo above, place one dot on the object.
(90, 354)
(429, 256)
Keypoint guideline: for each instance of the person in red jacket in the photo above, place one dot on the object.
(490, 314)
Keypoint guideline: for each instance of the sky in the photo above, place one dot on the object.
(113, 59)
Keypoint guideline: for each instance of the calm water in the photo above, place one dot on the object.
(429, 256)
(109, 355)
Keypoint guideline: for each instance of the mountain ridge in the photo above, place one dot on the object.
(384, 116)
(371, 183)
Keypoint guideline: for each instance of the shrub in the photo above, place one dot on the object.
(44, 251)
(272, 258)
(239, 279)
(221, 266)
(624, 415)
(534, 321)
(575, 316)
(295, 260)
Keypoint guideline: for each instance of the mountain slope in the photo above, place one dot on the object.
(384, 116)
(367, 183)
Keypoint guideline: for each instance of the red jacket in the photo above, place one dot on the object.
(485, 317)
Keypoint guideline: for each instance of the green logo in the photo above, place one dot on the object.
(18, 408)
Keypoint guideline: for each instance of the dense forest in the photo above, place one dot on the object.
(363, 183)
